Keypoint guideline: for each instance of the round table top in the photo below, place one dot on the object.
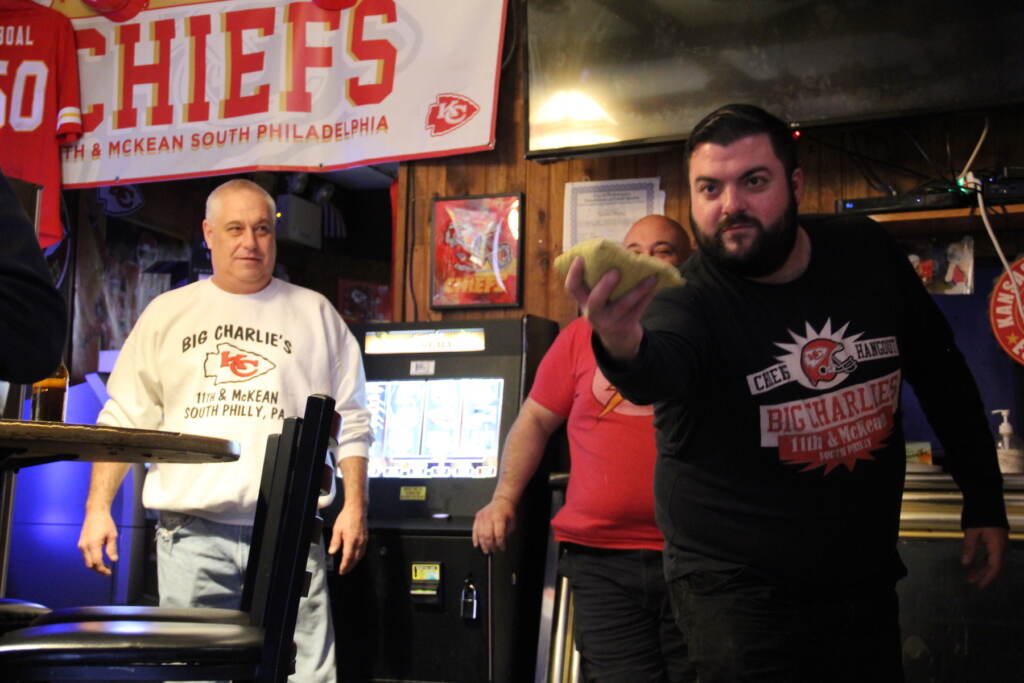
(23, 441)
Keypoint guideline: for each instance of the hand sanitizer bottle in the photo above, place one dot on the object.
(1009, 448)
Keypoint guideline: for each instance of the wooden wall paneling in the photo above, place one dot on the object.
(667, 166)
(624, 166)
(1009, 146)
(411, 202)
(812, 157)
(562, 308)
(826, 171)
(437, 185)
(174, 208)
(907, 139)
(538, 250)
(960, 135)
(559, 306)
(832, 169)
(461, 179)
(427, 182)
(591, 168)
(400, 229)
(870, 150)
(498, 173)
(647, 167)
(946, 155)
(644, 166)
(1004, 145)
(851, 157)
(671, 168)
(505, 168)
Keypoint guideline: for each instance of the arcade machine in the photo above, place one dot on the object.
(424, 604)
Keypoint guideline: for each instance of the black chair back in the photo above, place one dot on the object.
(280, 574)
(261, 650)
(259, 524)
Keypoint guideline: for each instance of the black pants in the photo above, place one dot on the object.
(623, 623)
(742, 628)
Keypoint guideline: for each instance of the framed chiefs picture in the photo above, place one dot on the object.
(475, 260)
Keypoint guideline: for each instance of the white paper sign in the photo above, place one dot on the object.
(607, 208)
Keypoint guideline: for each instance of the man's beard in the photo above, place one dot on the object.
(767, 252)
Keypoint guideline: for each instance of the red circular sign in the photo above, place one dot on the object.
(1004, 313)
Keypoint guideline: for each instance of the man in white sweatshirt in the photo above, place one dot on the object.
(231, 357)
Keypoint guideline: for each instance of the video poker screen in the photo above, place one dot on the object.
(435, 428)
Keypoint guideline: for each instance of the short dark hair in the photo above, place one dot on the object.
(728, 124)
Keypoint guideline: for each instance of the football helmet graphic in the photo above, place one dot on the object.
(823, 359)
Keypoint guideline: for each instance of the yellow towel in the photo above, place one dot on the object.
(600, 255)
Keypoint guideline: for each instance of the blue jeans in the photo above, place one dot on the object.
(623, 624)
(201, 563)
(741, 627)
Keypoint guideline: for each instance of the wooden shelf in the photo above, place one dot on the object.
(965, 219)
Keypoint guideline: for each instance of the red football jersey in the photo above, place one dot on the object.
(39, 101)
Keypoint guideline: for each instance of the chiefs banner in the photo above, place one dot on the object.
(196, 88)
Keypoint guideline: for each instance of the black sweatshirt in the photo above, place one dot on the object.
(777, 412)
(32, 312)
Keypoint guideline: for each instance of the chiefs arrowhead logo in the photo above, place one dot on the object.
(448, 112)
(232, 364)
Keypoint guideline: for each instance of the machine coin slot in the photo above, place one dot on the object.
(468, 600)
(425, 587)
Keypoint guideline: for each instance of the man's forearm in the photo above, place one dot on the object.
(524, 449)
(353, 477)
(517, 467)
(103, 485)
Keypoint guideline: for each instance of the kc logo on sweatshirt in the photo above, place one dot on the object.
(233, 364)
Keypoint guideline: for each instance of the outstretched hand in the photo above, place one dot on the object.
(616, 323)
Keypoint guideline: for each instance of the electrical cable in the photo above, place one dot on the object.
(942, 183)
(935, 167)
(854, 155)
(972, 183)
(949, 158)
(876, 183)
(970, 161)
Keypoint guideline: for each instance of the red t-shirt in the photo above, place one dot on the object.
(610, 499)
(39, 101)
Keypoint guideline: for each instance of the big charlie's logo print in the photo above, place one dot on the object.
(838, 426)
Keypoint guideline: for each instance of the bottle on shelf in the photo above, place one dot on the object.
(50, 396)
(1009, 448)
